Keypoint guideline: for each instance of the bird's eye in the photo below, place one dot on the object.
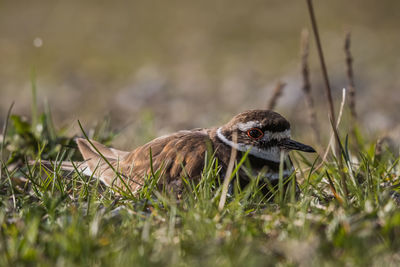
(255, 133)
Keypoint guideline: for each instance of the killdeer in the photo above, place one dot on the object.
(264, 134)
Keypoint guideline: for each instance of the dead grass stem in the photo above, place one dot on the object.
(276, 95)
(312, 117)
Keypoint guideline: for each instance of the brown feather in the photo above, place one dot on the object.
(180, 154)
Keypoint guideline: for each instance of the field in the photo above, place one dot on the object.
(346, 210)
(53, 218)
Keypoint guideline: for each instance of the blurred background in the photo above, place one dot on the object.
(154, 67)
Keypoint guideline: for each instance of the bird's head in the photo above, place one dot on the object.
(264, 132)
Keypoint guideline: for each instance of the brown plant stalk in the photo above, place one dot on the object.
(312, 115)
(352, 90)
(328, 91)
(276, 95)
(350, 77)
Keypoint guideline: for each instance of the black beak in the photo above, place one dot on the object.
(294, 145)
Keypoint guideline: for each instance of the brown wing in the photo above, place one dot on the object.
(177, 155)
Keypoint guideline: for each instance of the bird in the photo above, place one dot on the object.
(262, 134)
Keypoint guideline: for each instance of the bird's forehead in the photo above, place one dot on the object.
(263, 119)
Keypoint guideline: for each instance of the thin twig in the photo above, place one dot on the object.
(328, 90)
(331, 139)
(276, 95)
(350, 77)
(352, 90)
(331, 143)
(322, 61)
(305, 47)
(340, 161)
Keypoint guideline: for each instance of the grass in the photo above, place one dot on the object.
(53, 218)
(345, 214)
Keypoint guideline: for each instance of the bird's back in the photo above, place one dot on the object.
(176, 155)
